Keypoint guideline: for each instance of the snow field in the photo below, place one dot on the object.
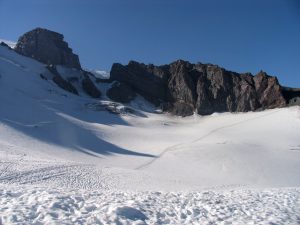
(62, 206)
(65, 159)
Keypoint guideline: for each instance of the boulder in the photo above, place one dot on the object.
(47, 47)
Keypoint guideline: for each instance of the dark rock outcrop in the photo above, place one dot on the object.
(47, 47)
(181, 88)
(292, 95)
(89, 87)
(121, 92)
(269, 91)
(147, 80)
(5, 45)
(184, 88)
(80, 80)
(61, 82)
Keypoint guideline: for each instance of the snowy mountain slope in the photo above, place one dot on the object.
(51, 139)
(11, 44)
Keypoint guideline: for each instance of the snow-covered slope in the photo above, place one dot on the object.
(11, 44)
(56, 145)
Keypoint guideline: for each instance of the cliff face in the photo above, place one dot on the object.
(47, 47)
(181, 88)
(184, 88)
(50, 48)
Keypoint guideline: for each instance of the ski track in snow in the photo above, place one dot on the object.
(61, 174)
(178, 146)
(65, 160)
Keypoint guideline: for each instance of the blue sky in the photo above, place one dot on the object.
(240, 35)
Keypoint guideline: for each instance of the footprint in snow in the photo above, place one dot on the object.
(130, 213)
(295, 148)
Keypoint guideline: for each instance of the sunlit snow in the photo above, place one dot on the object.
(66, 159)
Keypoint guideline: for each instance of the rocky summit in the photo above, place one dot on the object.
(50, 48)
(183, 88)
(47, 47)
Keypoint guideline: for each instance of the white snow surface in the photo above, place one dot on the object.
(100, 74)
(56, 206)
(65, 159)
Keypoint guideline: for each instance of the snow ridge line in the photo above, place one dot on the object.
(175, 147)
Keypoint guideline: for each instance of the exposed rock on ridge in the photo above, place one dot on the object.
(89, 87)
(147, 80)
(121, 92)
(292, 95)
(47, 47)
(181, 88)
(184, 88)
(61, 82)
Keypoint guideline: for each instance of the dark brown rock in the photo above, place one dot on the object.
(121, 92)
(220, 90)
(62, 83)
(147, 80)
(268, 91)
(183, 88)
(89, 87)
(47, 47)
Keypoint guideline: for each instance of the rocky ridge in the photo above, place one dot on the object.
(181, 88)
(47, 47)
(50, 48)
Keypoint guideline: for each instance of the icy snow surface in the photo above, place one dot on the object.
(66, 159)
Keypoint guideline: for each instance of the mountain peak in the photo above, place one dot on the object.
(47, 47)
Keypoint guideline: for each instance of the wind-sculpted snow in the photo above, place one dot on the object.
(59, 206)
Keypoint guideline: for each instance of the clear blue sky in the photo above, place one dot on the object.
(240, 35)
